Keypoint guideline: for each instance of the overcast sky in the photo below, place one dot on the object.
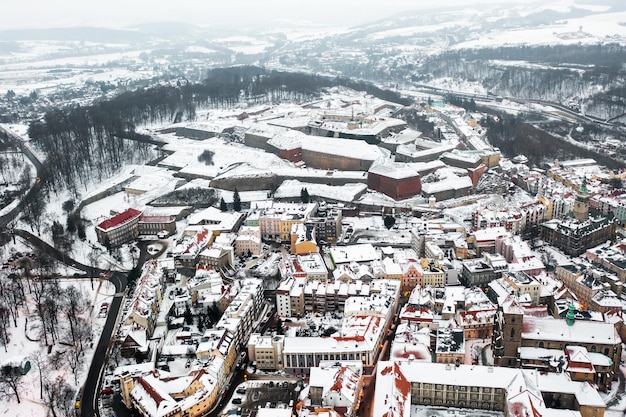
(24, 14)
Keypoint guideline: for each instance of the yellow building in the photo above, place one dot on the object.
(303, 240)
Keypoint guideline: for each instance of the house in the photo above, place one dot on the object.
(303, 240)
(411, 343)
(248, 241)
(336, 385)
(135, 343)
(266, 351)
(450, 346)
(146, 299)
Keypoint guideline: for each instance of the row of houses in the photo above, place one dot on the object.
(155, 392)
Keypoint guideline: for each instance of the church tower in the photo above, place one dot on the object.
(581, 205)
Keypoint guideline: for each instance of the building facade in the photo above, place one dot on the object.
(119, 229)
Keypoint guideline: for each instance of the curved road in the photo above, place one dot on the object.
(89, 401)
(41, 175)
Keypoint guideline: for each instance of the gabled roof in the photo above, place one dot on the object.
(154, 399)
(578, 359)
(397, 404)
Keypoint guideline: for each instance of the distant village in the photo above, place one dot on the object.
(358, 267)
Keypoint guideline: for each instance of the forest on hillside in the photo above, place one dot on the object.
(593, 74)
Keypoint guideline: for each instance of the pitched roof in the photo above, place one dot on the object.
(119, 219)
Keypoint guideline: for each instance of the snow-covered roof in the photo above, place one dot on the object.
(291, 189)
(340, 377)
(358, 333)
(354, 253)
(393, 170)
(155, 400)
(215, 219)
(448, 184)
(582, 331)
(343, 147)
(411, 344)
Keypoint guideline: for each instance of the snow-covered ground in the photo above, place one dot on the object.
(592, 29)
(20, 345)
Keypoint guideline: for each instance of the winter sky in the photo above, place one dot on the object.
(120, 13)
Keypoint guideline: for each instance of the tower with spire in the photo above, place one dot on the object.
(570, 317)
(581, 205)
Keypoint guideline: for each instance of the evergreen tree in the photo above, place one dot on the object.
(223, 205)
(236, 201)
(71, 224)
(80, 229)
(304, 196)
(68, 206)
(188, 316)
(389, 221)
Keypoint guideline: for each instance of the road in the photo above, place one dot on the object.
(34, 190)
(89, 405)
(89, 402)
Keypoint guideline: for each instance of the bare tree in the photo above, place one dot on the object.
(73, 305)
(43, 366)
(50, 317)
(56, 360)
(11, 382)
(51, 389)
(74, 359)
(39, 298)
(12, 295)
(5, 335)
(65, 400)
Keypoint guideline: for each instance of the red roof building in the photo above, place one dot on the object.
(119, 229)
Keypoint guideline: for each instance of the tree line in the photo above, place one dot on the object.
(598, 55)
